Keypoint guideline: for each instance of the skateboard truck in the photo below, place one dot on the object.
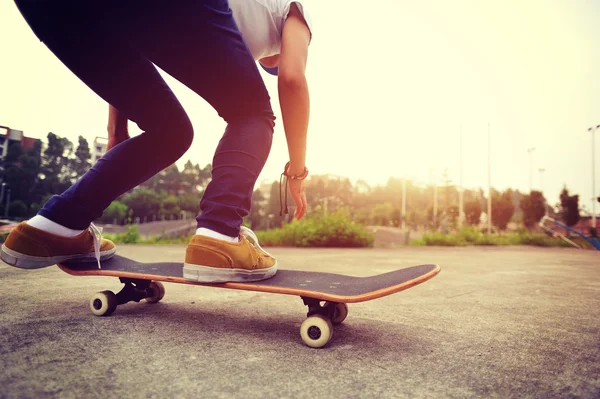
(104, 303)
(134, 290)
(327, 309)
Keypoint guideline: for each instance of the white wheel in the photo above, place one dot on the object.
(158, 292)
(340, 313)
(103, 303)
(316, 331)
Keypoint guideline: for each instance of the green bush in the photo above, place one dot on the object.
(335, 230)
(444, 240)
(473, 236)
(131, 235)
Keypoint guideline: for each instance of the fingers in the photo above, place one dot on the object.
(301, 210)
(304, 203)
(299, 197)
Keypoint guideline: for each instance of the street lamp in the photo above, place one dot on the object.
(403, 223)
(542, 170)
(489, 202)
(461, 213)
(530, 151)
(435, 198)
(593, 130)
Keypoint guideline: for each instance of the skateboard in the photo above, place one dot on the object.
(325, 294)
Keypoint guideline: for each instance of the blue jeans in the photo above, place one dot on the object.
(112, 46)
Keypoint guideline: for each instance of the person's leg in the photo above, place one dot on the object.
(212, 59)
(201, 46)
(125, 79)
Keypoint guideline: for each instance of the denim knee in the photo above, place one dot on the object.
(174, 135)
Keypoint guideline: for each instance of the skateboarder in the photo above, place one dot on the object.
(112, 46)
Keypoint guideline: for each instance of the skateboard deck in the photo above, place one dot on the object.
(142, 281)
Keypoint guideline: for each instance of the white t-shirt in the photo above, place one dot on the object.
(261, 23)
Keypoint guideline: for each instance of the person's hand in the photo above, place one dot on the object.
(117, 127)
(299, 197)
(114, 140)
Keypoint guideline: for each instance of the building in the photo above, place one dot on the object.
(99, 148)
(8, 136)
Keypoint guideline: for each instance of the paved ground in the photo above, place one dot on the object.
(496, 322)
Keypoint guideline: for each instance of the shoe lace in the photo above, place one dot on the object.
(97, 234)
(251, 237)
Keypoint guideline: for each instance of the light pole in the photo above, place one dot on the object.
(489, 204)
(435, 198)
(593, 130)
(403, 224)
(542, 170)
(435, 206)
(461, 212)
(530, 151)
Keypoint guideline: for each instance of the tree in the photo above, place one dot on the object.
(533, 207)
(194, 178)
(20, 173)
(189, 203)
(55, 168)
(115, 211)
(169, 209)
(452, 215)
(502, 208)
(143, 203)
(257, 211)
(473, 212)
(430, 218)
(81, 163)
(569, 208)
(170, 180)
(382, 214)
(328, 193)
(17, 209)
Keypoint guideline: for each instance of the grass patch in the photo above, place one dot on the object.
(473, 236)
(335, 230)
(131, 235)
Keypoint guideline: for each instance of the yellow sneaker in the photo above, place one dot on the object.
(209, 260)
(28, 247)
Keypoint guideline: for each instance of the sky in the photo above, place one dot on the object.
(392, 85)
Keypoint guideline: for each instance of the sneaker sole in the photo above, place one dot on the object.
(208, 274)
(16, 259)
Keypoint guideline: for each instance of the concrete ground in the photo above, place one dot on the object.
(496, 322)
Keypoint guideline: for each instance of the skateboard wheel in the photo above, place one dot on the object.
(316, 331)
(103, 303)
(158, 292)
(340, 312)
